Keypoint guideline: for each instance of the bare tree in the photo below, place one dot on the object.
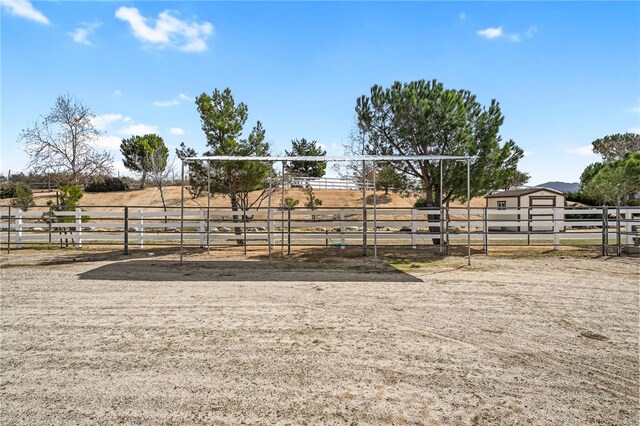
(356, 171)
(64, 142)
(160, 170)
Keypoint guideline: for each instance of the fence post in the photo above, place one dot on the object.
(244, 229)
(270, 229)
(50, 221)
(289, 231)
(19, 229)
(202, 228)
(528, 226)
(618, 236)
(9, 231)
(605, 231)
(141, 228)
(79, 226)
(556, 230)
(364, 221)
(447, 220)
(485, 233)
(628, 227)
(414, 228)
(342, 242)
(126, 230)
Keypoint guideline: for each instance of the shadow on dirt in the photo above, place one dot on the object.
(243, 270)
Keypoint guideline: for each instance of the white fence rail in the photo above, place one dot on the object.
(327, 183)
(613, 230)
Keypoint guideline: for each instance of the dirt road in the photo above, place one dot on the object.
(507, 341)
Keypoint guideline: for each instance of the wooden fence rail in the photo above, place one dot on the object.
(609, 229)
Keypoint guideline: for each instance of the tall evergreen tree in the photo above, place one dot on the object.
(425, 118)
(304, 148)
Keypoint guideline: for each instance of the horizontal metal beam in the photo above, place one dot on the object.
(331, 158)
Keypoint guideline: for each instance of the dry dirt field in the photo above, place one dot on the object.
(151, 197)
(142, 340)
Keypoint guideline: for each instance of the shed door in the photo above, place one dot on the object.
(541, 220)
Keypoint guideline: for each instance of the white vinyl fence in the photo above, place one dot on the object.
(609, 229)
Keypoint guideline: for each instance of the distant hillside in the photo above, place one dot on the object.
(561, 186)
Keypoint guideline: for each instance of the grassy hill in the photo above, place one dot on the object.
(151, 197)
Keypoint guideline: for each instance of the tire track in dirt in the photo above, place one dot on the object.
(618, 385)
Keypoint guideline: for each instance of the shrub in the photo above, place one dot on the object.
(23, 197)
(108, 184)
(420, 203)
(290, 203)
(7, 190)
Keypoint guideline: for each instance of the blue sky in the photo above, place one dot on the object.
(564, 73)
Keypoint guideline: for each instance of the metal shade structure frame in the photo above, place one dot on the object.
(358, 158)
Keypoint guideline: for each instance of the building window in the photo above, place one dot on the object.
(502, 205)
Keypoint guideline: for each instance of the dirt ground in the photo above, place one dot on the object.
(151, 197)
(142, 340)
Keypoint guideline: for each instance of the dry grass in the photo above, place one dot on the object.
(151, 197)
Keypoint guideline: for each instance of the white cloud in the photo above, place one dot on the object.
(109, 142)
(81, 34)
(163, 104)
(167, 30)
(490, 33)
(119, 166)
(176, 131)
(117, 93)
(531, 31)
(634, 130)
(497, 32)
(24, 9)
(138, 129)
(172, 102)
(101, 122)
(462, 16)
(527, 153)
(580, 150)
(117, 126)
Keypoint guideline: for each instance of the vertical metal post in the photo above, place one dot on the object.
(528, 226)
(289, 231)
(244, 230)
(282, 215)
(141, 228)
(485, 233)
(208, 205)
(364, 209)
(202, 228)
(441, 213)
(19, 229)
(126, 230)
(50, 221)
(79, 227)
(269, 213)
(618, 239)
(468, 212)
(375, 215)
(605, 230)
(182, 213)
(414, 227)
(9, 231)
(342, 239)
